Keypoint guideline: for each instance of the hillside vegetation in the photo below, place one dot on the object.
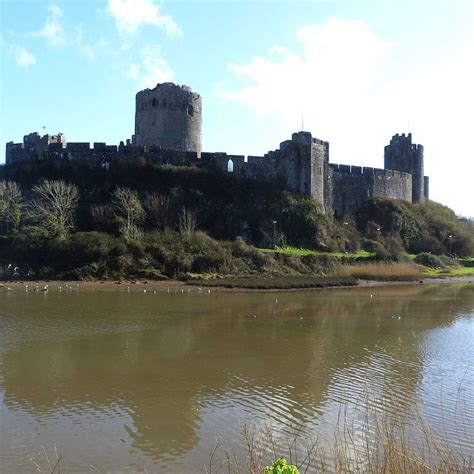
(61, 219)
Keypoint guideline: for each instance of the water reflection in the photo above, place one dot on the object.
(139, 380)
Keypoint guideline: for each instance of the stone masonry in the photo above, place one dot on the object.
(168, 132)
(168, 116)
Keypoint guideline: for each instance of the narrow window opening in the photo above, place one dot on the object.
(230, 166)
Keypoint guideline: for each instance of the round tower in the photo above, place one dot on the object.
(169, 116)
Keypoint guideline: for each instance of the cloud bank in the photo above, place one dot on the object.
(340, 80)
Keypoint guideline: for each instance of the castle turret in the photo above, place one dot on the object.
(169, 116)
(402, 155)
(306, 165)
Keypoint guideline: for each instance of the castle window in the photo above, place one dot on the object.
(153, 103)
(230, 166)
(191, 111)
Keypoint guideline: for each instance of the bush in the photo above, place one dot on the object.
(429, 260)
(301, 220)
(251, 257)
(281, 466)
(319, 263)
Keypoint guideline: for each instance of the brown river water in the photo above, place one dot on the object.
(133, 381)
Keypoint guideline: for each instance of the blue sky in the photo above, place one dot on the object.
(356, 72)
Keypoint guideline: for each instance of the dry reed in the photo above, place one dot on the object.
(384, 440)
(380, 271)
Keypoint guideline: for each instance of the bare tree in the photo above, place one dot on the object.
(54, 206)
(129, 212)
(158, 209)
(187, 222)
(10, 203)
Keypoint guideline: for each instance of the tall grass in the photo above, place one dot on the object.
(380, 271)
(384, 444)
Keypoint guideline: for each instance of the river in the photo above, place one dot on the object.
(134, 381)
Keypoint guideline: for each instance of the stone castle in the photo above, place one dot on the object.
(168, 122)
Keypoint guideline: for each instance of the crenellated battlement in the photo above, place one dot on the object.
(168, 132)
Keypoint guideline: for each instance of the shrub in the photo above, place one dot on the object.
(300, 220)
(319, 263)
(281, 466)
(429, 260)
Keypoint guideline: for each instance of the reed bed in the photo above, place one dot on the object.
(383, 445)
(380, 271)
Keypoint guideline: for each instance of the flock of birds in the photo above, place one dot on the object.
(68, 287)
(43, 288)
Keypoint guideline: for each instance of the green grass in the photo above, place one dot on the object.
(276, 283)
(303, 252)
(441, 272)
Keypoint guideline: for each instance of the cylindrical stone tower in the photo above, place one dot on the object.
(417, 174)
(169, 116)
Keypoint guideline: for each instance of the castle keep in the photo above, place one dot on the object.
(168, 116)
(168, 132)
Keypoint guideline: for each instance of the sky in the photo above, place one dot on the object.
(353, 73)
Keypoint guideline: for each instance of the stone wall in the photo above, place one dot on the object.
(300, 165)
(349, 187)
(169, 116)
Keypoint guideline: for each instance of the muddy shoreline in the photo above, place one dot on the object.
(169, 286)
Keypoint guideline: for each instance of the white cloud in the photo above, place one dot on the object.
(339, 60)
(129, 15)
(53, 29)
(22, 56)
(152, 69)
(339, 81)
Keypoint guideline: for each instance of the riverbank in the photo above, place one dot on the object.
(142, 286)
